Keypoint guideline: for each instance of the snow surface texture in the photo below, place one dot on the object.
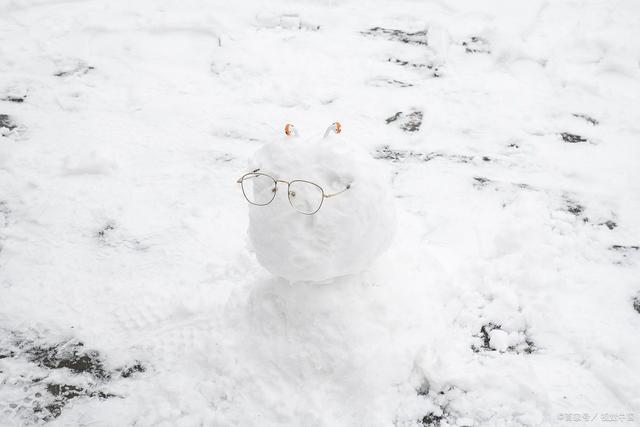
(127, 294)
(348, 231)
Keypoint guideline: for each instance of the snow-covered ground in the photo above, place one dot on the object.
(510, 296)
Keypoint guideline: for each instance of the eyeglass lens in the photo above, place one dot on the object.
(258, 188)
(305, 197)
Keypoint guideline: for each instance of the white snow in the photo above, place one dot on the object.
(309, 237)
(512, 132)
(499, 340)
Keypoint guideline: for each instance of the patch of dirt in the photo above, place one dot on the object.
(394, 155)
(481, 181)
(110, 235)
(384, 81)
(79, 373)
(79, 69)
(622, 248)
(418, 37)
(7, 122)
(408, 122)
(574, 207)
(131, 370)
(398, 83)
(476, 45)
(609, 224)
(16, 99)
(526, 344)
(62, 395)
(435, 69)
(105, 231)
(572, 138)
(589, 119)
(440, 400)
(71, 356)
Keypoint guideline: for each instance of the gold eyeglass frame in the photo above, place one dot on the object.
(289, 192)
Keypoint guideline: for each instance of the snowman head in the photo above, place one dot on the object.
(318, 208)
(260, 188)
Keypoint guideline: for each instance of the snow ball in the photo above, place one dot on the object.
(348, 231)
(515, 338)
(499, 340)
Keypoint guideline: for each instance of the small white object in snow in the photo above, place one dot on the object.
(290, 21)
(348, 231)
(499, 340)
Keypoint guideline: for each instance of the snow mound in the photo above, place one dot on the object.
(348, 231)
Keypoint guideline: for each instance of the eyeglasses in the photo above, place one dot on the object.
(304, 196)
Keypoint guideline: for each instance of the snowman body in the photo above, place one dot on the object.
(348, 232)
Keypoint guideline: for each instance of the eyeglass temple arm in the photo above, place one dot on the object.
(240, 179)
(326, 196)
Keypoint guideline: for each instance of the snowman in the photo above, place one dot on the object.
(318, 208)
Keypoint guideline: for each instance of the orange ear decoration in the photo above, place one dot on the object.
(288, 129)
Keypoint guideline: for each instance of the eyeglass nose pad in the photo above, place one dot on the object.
(292, 193)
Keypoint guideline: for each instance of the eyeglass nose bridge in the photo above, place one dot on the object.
(278, 181)
(275, 189)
